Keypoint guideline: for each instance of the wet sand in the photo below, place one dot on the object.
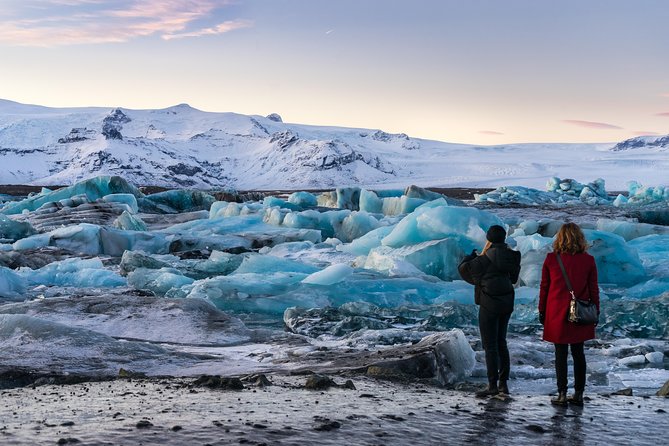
(171, 412)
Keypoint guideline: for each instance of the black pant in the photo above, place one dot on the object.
(561, 366)
(493, 337)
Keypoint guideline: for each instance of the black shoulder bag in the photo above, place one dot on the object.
(582, 312)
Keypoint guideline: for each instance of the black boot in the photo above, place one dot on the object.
(490, 390)
(503, 388)
(561, 399)
(577, 398)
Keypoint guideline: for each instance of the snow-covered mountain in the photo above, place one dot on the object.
(185, 147)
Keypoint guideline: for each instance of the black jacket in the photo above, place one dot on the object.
(493, 276)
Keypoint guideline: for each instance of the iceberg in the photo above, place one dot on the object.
(129, 199)
(439, 258)
(436, 220)
(129, 222)
(617, 262)
(163, 281)
(303, 199)
(93, 189)
(175, 201)
(558, 191)
(11, 230)
(630, 230)
(12, 285)
(330, 275)
(80, 273)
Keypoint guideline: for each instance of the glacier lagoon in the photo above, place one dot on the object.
(100, 277)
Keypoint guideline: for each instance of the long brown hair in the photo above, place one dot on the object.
(570, 239)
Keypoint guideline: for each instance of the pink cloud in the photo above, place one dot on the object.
(642, 133)
(666, 95)
(663, 114)
(591, 124)
(490, 132)
(68, 22)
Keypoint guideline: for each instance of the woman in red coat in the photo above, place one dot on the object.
(554, 298)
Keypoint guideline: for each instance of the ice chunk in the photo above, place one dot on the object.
(258, 264)
(370, 202)
(128, 199)
(630, 230)
(12, 285)
(362, 245)
(73, 272)
(270, 201)
(93, 189)
(11, 230)
(632, 360)
(438, 258)
(533, 249)
(123, 315)
(348, 198)
(161, 281)
(175, 201)
(655, 357)
(303, 199)
(401, 205)
(95, 240)
(330, 275)
(558, 192)
(617, 262)
(23, 341)
(414, 191)
(436, 220)
(130, 222)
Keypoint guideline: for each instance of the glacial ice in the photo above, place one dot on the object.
(630, 230)
(362, 245)
(175, 201)
(80, 273)
(385, 274)
(436, 220)
(303, 199)
(162, 282)
(129, 222)
(11, 230)
(12, 285)
(128, 199)
(617, 262)
(558, 191)
(330, 275)
(93, 189)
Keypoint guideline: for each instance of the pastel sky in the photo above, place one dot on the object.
(472, 71)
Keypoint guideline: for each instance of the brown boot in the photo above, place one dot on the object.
(577, 398)
(561, 399)
(490, 390)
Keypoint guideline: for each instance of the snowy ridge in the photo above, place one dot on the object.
(180, 146)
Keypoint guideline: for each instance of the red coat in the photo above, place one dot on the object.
(554, 296)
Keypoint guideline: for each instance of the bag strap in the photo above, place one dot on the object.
(566, 277)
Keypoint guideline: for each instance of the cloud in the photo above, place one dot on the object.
(490, 132)
(221, 28)
(68, 22)
(666, 114)
(642, 133)
(592, 125)
(666, 95)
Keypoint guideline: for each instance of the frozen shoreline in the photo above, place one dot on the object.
(170, 411)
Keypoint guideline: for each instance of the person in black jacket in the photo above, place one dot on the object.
(493, 274)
